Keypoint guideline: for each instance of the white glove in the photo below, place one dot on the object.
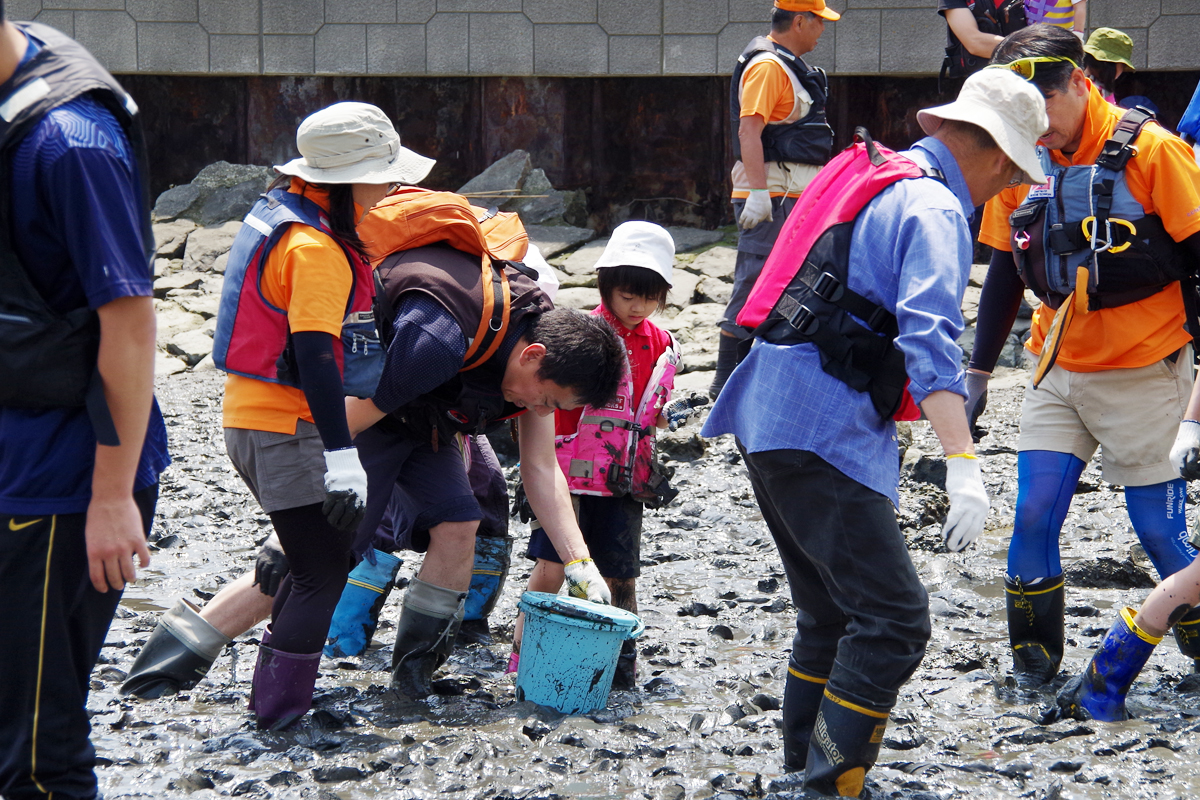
(585, 582)
(756, 210)
(968, 502)
(345, 489)
(1185, 453)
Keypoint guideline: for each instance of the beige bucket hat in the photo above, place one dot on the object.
(1005, 105)
(353, 143)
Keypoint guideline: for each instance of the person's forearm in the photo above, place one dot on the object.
(322, 385)
(999, 303)
(546, 489)
(1080, 24)
(361, 414)
(962, 23)
(126, 364)
(750, 139)
(945, 412)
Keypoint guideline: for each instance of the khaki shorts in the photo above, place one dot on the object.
(1133, 414)
(283, 470)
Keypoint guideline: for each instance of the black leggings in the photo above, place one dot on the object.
(319, 556)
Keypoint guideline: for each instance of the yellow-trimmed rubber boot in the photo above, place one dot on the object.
(1099, 693)
(845, 743)
(1187, 636)
(1035, 630)
(802, 695)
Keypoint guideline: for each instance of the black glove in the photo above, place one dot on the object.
(976, 402)
(272, 566)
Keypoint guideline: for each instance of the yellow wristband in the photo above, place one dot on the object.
(962, 455)
(577, 561)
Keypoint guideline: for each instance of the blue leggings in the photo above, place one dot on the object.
(1046, 483)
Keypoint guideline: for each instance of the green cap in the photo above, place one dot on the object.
(1110, 44)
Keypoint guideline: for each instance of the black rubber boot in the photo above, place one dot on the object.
(727, 359)
(1035, 630)
(802, 694)
(845, 743)
(1187, 636)
(626, 675)
(425, 634)
(177, 655)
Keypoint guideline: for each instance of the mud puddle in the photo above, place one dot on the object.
(718, 627)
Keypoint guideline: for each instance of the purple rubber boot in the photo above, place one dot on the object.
(283, 687)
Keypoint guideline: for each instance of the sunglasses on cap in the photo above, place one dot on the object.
(1026, 67)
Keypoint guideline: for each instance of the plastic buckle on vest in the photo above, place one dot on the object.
(878, 318)
(828, 287)
(804, 320)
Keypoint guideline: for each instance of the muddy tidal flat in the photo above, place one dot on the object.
(719, 622)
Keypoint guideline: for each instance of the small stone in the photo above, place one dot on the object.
(206, 305)
(191, 346)
(180, 280)
(713, 290)
(337, 774)
(166, 365)
(722, 632)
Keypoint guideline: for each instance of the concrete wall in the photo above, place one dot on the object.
(446, 38)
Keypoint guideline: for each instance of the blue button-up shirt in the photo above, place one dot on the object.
(911, 253)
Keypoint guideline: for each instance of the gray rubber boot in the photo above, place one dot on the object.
(425, 634)
(177, 655)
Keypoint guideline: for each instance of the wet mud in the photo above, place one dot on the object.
(719, 622)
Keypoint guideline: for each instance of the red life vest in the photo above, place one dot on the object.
(802, 293)
(611, 453)
(252, 337)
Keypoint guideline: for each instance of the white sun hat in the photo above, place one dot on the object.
(1005, 105)
(640, 244)
(353, 143)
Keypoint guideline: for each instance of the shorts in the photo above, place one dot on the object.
(612, 530)
(1132, 414)
(283, 470)
(432, 485)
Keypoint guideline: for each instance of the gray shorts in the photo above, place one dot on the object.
(283, 470)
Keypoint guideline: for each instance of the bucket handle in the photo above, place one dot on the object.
(638, 630)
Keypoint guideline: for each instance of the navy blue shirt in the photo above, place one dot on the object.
(77, 209)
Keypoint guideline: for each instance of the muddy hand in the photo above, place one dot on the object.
(585, 582)
(968, 501)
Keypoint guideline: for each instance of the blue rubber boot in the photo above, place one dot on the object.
(1099, 693)
(493, 555)
(357, 613)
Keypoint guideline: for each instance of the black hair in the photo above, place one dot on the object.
(342, 219)
(1, 10)
(781, 21)
(1105, 72)
(640, 281)
(1043, 41)
(583, 353)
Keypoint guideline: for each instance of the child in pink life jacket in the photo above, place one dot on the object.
(607, 454)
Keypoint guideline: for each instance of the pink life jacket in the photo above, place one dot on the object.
(801, 294)
(611, 453)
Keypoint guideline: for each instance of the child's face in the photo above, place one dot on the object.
(630, 309)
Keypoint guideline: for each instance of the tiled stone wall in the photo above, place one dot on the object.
(535, 37)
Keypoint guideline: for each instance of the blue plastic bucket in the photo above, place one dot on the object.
(569, 651)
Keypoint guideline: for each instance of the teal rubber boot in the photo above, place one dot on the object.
(357, 614)
(493, 554)
(1035, 630)
(845, 743)
(802, 694)
(1099, 693)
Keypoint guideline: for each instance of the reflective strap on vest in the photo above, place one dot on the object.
(607, 423)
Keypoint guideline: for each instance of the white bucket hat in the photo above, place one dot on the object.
(640, 244)
(1006, 106)
(353, 143)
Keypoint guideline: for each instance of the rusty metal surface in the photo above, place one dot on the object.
(642, 148)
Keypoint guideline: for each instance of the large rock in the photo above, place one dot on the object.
(683, 288)
(191, 346)
(206, 305)
(167, 365)
(501, 180)
(697, 381)
(698, 357)
(219, 193)
(178, 280)
(700, 315)
(170, 237)
(173, 320)
(580, 266)
(715, 263)
(580, 297)
(539, 200)
(206, 245)
(692, 238)
(714, 290)
(554, 239)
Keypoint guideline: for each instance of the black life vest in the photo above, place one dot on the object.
(997, 17)
(808, 140)
(48, 358)
(1085, 218)
(471, 402)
